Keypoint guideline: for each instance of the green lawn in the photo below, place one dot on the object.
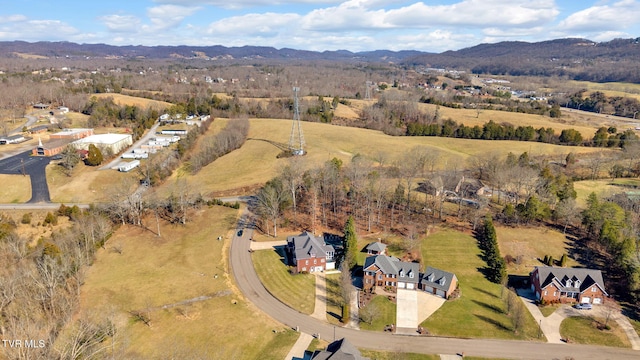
(479, 312)
(334, 310)
(298, 291)
(584, 330)
(387, 314)
(387, 355)
(547, 310)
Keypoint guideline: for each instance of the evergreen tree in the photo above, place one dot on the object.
(94, 158)
(350, 241)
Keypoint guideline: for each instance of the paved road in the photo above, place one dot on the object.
(143, 140)
(249, 283)
(34, 167)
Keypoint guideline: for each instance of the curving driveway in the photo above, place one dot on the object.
(250, 285)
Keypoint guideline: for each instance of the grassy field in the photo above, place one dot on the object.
(334, 310)
(255, 162)
(479, 312)
(143, 103)
(386, 314)
(388, 355)
(87, 184)
(532, 243)
(470, 117)
(584, 330)
(298, 291)
(185, 263)
(15, 188)
(603, 188)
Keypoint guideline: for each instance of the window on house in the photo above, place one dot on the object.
(380, 277)
(545, 292)
(554, 293)
(593, 289)
(306, 262)
(411, 275)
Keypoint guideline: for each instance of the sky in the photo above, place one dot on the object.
(318, 25)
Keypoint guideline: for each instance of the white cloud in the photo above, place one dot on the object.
(267, 24)
(243, 4)
(361, 14)
(19, 27)
(121, 23)
(168, 16)
(596, 19)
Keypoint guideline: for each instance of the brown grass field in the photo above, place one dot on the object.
(470, 117)
(185, 263)
(532, 243)
(15, 188)
(255, 162)
(143, 103)
(603, 188)
(87, 184)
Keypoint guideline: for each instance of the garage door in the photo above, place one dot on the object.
(400, 285)
(411, 286)
(428, 289)
(440, 293)
(597, 300)
(585, 300)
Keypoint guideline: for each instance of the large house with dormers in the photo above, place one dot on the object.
(309, 253)
(568, 285)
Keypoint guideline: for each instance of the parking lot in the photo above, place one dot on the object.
(32, 166)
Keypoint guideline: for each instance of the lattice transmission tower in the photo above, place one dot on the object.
(367, 94)
(296, 140)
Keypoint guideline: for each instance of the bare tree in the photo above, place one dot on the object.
(369, 313)
(271, 199)
(291, 176)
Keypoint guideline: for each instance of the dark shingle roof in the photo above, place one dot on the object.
(393, 266)
(437, 278)
(376, 246)
(339, 350)
(307, 246)
(560, 276)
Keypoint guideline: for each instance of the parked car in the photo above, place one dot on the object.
(585, 306)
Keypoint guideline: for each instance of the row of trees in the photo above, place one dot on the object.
(496, 270)
(212, 147)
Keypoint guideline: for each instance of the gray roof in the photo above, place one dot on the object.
(339, 350)
(559, 276)
(390, 265)
(307, 246)
(437, 278)
(376, 246)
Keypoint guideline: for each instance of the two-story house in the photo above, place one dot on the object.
(309, 253)
(568, 285)
(390, 273)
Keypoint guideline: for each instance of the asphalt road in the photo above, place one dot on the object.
(250, 285)
(32, 166)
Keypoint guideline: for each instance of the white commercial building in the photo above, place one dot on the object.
(113, 142)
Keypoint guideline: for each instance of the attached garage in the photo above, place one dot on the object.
(428, 289)
(597, 300)
(411, 286)
(440, 293)
(401, 285)
(585, 300)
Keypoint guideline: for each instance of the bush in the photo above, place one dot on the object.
(50, 219)
(26, 218)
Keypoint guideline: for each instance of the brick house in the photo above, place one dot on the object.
(567, 285)
(309, 253)
(438, 282)
(390, 273)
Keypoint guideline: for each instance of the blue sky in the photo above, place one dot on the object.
(356, 25)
